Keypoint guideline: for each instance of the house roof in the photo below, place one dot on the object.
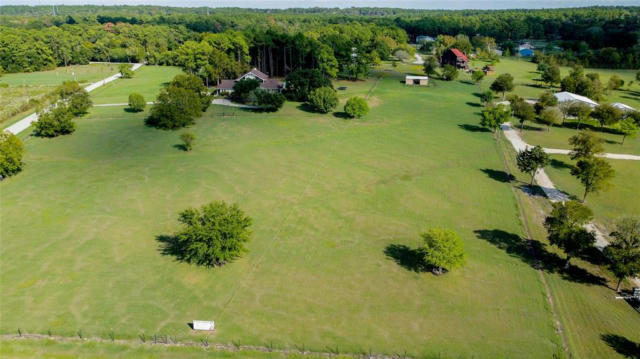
(226, 84)
(571, 97)
(259, 74)
(622, 106)
(459, 54)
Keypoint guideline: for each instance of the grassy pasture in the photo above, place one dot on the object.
(525, 75)
(558, 137)
(337, 207)
(595, 324)
(28, 85)
(607, 206)
(147, 81)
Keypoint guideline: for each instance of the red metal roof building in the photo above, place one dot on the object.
(455, 57)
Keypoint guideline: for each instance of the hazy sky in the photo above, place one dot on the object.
(415, 4)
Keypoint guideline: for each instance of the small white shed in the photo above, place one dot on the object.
(416, 80)
(203, 325)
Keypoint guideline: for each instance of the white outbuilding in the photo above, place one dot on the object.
(569, 97)
(416, 80)
(623, 107)
(203, 325)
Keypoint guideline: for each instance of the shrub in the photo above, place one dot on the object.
(213, 235)
(268, 101)
(324, 99)
(193, 83)
(137, 102)
(187, 141)
(11, 151)
(79, 102)
(443, 249)
(54, 122)
(551, 116)
(356, 107)
(125, 71)
(449, 73)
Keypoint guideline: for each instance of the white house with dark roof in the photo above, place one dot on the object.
(266, 83)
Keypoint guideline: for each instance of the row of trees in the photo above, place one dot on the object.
(57, 119)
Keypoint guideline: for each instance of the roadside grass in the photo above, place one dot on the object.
(147, 81)
(49, 348)
(28, 85)
(607, 206)
(337, 204)
(595, 324)
(558, 137)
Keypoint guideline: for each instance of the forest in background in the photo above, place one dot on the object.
(223, 42)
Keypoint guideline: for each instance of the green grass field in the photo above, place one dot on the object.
(607, 206)
(525, 75)
(558, 137)
(147, 81)
(25, 86)
(337, 205)
(595, 324)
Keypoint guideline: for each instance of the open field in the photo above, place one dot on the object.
(596, 325)
(147, 81)
(25, 86)
(337, 208)
(607, 206)
(525, 75)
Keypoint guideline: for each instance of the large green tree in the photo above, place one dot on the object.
(301, 82)
(606, 115)
(213, 235)
(624, 251)
(585, 146)
(443, 249)
(595, 174)
(565, 228)
(503, 83)
(531, 160)
(493, 116)
(174, 108)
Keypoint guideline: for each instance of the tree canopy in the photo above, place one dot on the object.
(565, 227)
(443, 249)
(213, 235)
(11, 152)
(356, 107)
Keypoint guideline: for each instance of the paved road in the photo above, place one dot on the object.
(550, 190)
(27, 121)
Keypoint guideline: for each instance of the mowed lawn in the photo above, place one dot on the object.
(527, 85)
(609, 205)
(337, 208)
(147, 81)
(24, 86)
(558, 137)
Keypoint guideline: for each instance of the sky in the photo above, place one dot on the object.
(279, 4)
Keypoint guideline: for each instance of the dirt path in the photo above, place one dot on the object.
(551, 191)
(419, 60)
(27, 121)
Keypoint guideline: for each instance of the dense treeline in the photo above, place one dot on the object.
(338, 41)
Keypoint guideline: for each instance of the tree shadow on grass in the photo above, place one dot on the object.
(536, 255)
(306, 108)
(409, 258)
(473, 104)
(622, 345)
(341, 114)
(500, 176)
(181, 147)
(560, 164)
(170, 246)
(473, 128)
